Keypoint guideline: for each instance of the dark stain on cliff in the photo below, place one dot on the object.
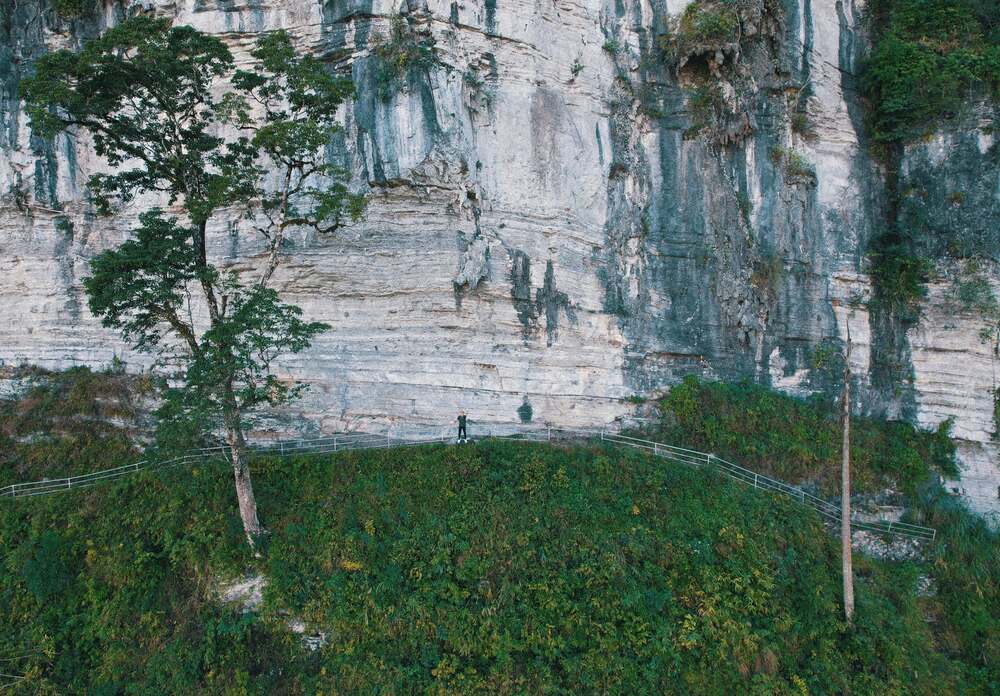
(686, 235)
(378, 140)
(524, 411)
(520, 293)
(491, 16)
(550, 300)
(63, 251)
(547, 302)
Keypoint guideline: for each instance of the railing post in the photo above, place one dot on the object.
(334, 443)
(656, 449)
(890, 526)
(755, 480)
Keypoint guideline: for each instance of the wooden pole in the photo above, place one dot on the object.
(845, 489)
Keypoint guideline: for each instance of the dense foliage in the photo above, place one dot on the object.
(70, 422)
(715, 24)
(798, 440)
(928, 54)
(491, 568)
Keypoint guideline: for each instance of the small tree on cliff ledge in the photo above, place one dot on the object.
(143, 92)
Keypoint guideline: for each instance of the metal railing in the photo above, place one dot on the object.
(355, 441)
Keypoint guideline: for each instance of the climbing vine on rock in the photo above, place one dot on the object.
(928, 56)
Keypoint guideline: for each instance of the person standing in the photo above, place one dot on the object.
(462, 435)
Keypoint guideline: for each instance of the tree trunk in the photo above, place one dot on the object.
(241, 473)
(845, 492)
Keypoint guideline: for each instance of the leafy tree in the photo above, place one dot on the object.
(144, 93)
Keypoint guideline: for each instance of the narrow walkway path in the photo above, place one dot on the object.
(353, 441)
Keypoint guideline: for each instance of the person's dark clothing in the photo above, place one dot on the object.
(461, 428)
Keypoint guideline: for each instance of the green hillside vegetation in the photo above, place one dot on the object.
(493, 568)
(798, 440)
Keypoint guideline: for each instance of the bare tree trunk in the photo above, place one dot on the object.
(241, 473)
(845, 491)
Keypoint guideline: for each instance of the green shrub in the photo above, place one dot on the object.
(974, 293)
(794, 164)
(802, 124)
(705, 104)
(709, 24)
(800, 441)
(71, 9)
(964, 563)
(898, 275)
(70, 422)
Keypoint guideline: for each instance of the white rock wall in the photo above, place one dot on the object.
(955, 367)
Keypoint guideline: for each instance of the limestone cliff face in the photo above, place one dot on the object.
(559, 219)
